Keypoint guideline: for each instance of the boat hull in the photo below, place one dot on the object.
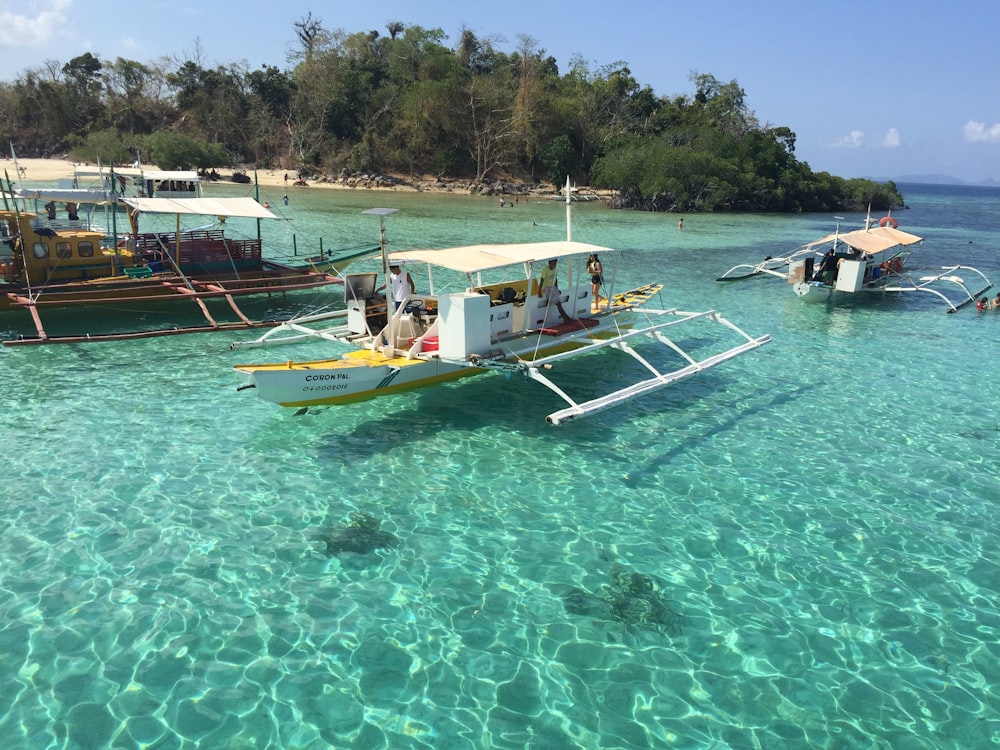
(337, 382)
(812, 291)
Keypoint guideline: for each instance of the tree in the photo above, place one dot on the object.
(172, 150)
(394, 28)
(102, 147)
(310, 33)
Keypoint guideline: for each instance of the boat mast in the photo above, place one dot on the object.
(381, 213)
(114, 209)
(569, 210)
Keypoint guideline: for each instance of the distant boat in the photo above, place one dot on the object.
(874, 260)
(578, 198)
(140, 181)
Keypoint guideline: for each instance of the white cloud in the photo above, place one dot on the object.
(854, 140)
(891, 139)
(857, 139)
(977, 132)
(35, 30)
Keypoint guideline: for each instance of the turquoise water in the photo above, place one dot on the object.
(796, 549)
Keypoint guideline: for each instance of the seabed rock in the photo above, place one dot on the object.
(631, 598)
(361, 535)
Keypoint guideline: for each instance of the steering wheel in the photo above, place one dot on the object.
(414, 306)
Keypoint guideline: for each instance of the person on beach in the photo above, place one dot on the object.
(596, 271)
(399, 280)
(548, 288)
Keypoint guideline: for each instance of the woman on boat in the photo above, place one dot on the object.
(596, 271)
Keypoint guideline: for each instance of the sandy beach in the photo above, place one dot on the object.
(54, 169)
(48, 170)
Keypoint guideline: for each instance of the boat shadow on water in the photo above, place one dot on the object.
(376, 428)
(649, 475)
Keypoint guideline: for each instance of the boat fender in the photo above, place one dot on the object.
(888, 221)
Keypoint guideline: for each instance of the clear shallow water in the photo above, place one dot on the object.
(801, 545)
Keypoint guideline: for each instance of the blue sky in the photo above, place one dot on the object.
(872, 89)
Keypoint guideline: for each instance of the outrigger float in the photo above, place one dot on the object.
(46, 264)
(874, 260)
(499, 326)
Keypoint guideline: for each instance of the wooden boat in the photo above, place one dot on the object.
(499, 323)
(873, 260)
(71, 267)
(336, 261)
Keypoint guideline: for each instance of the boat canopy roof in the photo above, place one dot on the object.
(157, 174)
(476, 258)
(69, 195)
(872, 241)
(147, 174)
(106, 171)
(247, 208)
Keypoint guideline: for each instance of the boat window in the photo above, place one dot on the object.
(41, 250)
(85, 249)
(64, 250)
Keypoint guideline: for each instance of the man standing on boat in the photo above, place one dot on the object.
(399, 280)
(548, 288)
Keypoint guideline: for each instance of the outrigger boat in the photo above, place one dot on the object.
(145, 183)
(49, 267)
(499, 326)
(337, 261)
(875, 260)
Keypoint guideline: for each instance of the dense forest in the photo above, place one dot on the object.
(404, 102)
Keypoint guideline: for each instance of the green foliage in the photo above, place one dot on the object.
(170, 150)
(559, 158)
(101, 146)
(403, 101)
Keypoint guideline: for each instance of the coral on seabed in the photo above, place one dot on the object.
(360, 535)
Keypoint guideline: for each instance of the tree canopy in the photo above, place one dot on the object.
(405, 102)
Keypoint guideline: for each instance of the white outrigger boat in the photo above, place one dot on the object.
(872, 260)
(498, 326)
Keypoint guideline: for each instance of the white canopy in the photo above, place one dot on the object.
(476, 258)
(156, 174)
(246, 208)
(106, 171)
(872, 241)
(68, 195)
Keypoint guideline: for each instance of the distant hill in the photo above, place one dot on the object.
(942, 179)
